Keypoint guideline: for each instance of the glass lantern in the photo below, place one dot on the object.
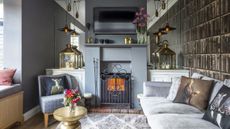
(79, 58)
(166, 58)
(67, 58)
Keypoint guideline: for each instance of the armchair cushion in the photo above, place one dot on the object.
(55, 85)
(51, 103)
(45, 80)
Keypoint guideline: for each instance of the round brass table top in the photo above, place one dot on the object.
(63, 114)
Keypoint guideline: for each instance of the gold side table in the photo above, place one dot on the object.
(70, 120)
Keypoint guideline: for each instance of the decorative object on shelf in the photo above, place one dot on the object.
(71, 99)
(89, 39)
(167, 27)
(70, 58)
(141, 26)
(79, 58)
(166, 58)
(128, 40)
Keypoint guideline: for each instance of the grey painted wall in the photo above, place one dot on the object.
(37, 46)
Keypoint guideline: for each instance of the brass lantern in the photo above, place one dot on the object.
(67, 58)
(79, 58)
(166, 58)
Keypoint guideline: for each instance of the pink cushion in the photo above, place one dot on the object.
(6, 76)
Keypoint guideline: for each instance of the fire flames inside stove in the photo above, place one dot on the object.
(116, 84)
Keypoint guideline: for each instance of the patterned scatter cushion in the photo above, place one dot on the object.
(6, 76)
(195, 92)
(174, 88)
(219, 110)
(55, 85)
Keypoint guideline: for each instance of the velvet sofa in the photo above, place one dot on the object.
(162, 113)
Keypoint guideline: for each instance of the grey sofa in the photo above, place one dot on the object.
(162, 113)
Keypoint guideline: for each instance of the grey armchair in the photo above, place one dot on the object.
(52, 102)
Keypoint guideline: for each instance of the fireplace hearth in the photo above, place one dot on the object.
(116, 90)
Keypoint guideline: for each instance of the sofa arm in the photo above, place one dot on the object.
(156, 89)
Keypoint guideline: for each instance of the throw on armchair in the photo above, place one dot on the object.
(51, 88)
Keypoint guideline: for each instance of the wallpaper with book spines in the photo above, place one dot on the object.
(204, 35)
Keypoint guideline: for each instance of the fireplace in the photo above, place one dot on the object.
(116, 90)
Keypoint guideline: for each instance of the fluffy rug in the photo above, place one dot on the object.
(114, 121)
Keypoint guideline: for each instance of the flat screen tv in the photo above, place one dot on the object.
(114, 20)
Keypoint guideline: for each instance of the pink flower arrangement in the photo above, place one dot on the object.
(140, 20)
(72, 96)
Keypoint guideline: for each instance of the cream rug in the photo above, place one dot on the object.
(114, 121)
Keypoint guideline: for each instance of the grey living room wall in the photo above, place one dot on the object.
(37, 46)
(41, 43)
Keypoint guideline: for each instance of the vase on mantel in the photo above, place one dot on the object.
(141, 37)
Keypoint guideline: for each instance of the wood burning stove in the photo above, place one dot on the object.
(116, 90)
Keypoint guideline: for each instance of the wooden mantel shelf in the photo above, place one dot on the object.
(116, 45)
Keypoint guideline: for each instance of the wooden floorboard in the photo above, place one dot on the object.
(36, 122)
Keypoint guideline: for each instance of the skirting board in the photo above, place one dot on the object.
(32, 113)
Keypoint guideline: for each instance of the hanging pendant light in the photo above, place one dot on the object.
(156, 8)
(69, 7)
(74, 33)
(163, 4)
(167, 27)
(66, 28)
(156, 13)
(159, 33)
(77, 5)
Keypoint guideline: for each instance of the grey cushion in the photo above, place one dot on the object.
(217, 85)
(179, 121)
(197, 75)
(157, 89)
(51, 103)
(9, 90)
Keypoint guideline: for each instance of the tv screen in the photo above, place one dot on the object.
(114, 19)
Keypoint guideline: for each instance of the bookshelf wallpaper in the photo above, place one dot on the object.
(204, 35)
